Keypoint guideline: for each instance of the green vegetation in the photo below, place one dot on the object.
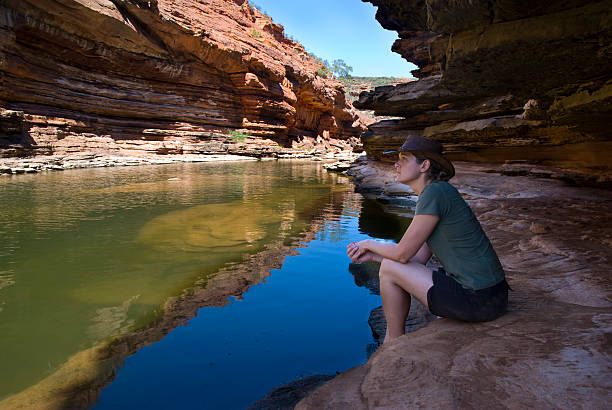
(340, 68)
(356, 85)
(337, 69)
(238, 135)
(313, 56)
(255, 33)
(372, 82)
(323, 72)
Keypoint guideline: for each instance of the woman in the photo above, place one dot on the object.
(471, 286)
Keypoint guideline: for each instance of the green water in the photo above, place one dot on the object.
(86, 255)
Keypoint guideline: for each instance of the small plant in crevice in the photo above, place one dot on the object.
(237, 135)
(255, 33)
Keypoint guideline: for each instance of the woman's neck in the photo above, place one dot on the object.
(419, 184)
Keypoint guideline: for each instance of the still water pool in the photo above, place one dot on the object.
(233, 276)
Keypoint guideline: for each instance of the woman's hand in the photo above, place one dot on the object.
(358, 252)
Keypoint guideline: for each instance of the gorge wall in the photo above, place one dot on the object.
(159, 76)
(528, 84)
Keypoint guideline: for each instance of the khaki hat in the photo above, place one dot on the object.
(428, 148)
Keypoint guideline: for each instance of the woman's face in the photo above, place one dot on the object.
(407, 167)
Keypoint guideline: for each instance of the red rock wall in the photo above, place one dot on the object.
(152, 70)
(528, 80)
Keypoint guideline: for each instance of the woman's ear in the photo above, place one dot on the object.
(425, 165)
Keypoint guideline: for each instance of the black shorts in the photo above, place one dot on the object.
(447, 298)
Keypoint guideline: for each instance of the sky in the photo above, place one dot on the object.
(340, 29)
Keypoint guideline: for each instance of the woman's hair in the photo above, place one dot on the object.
(435, 171)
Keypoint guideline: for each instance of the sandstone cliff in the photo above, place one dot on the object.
(159, 76)
(503, 80)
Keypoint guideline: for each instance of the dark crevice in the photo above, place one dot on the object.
(141, 27)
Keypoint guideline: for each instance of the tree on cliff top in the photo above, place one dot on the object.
(340, 68)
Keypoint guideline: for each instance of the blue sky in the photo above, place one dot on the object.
(340, 29)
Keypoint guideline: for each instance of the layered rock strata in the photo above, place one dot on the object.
(528, 80)
(550, 350)
(157, 77)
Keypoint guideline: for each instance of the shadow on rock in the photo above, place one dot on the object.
(288, 395)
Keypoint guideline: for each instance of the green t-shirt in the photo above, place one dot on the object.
(458, 240)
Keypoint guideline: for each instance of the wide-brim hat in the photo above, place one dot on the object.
(426, 147)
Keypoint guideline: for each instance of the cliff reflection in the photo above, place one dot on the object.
(375, 222)
(130, 254)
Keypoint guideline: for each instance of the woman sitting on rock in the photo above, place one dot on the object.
(471, 286)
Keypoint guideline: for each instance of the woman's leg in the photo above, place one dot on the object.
(397, 282)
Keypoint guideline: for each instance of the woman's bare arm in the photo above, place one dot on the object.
(423, 255)
(409, 247)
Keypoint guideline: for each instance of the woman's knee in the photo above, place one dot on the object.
(386, 268)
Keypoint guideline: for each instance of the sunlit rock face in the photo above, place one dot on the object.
(173, 76)
(501, 74)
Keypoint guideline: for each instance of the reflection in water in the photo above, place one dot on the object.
(210, 227)
(308, 317)
(6, 279)
(391, 227)
(111, 321)
(128, 255)
(366, 275)
(131, 253)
